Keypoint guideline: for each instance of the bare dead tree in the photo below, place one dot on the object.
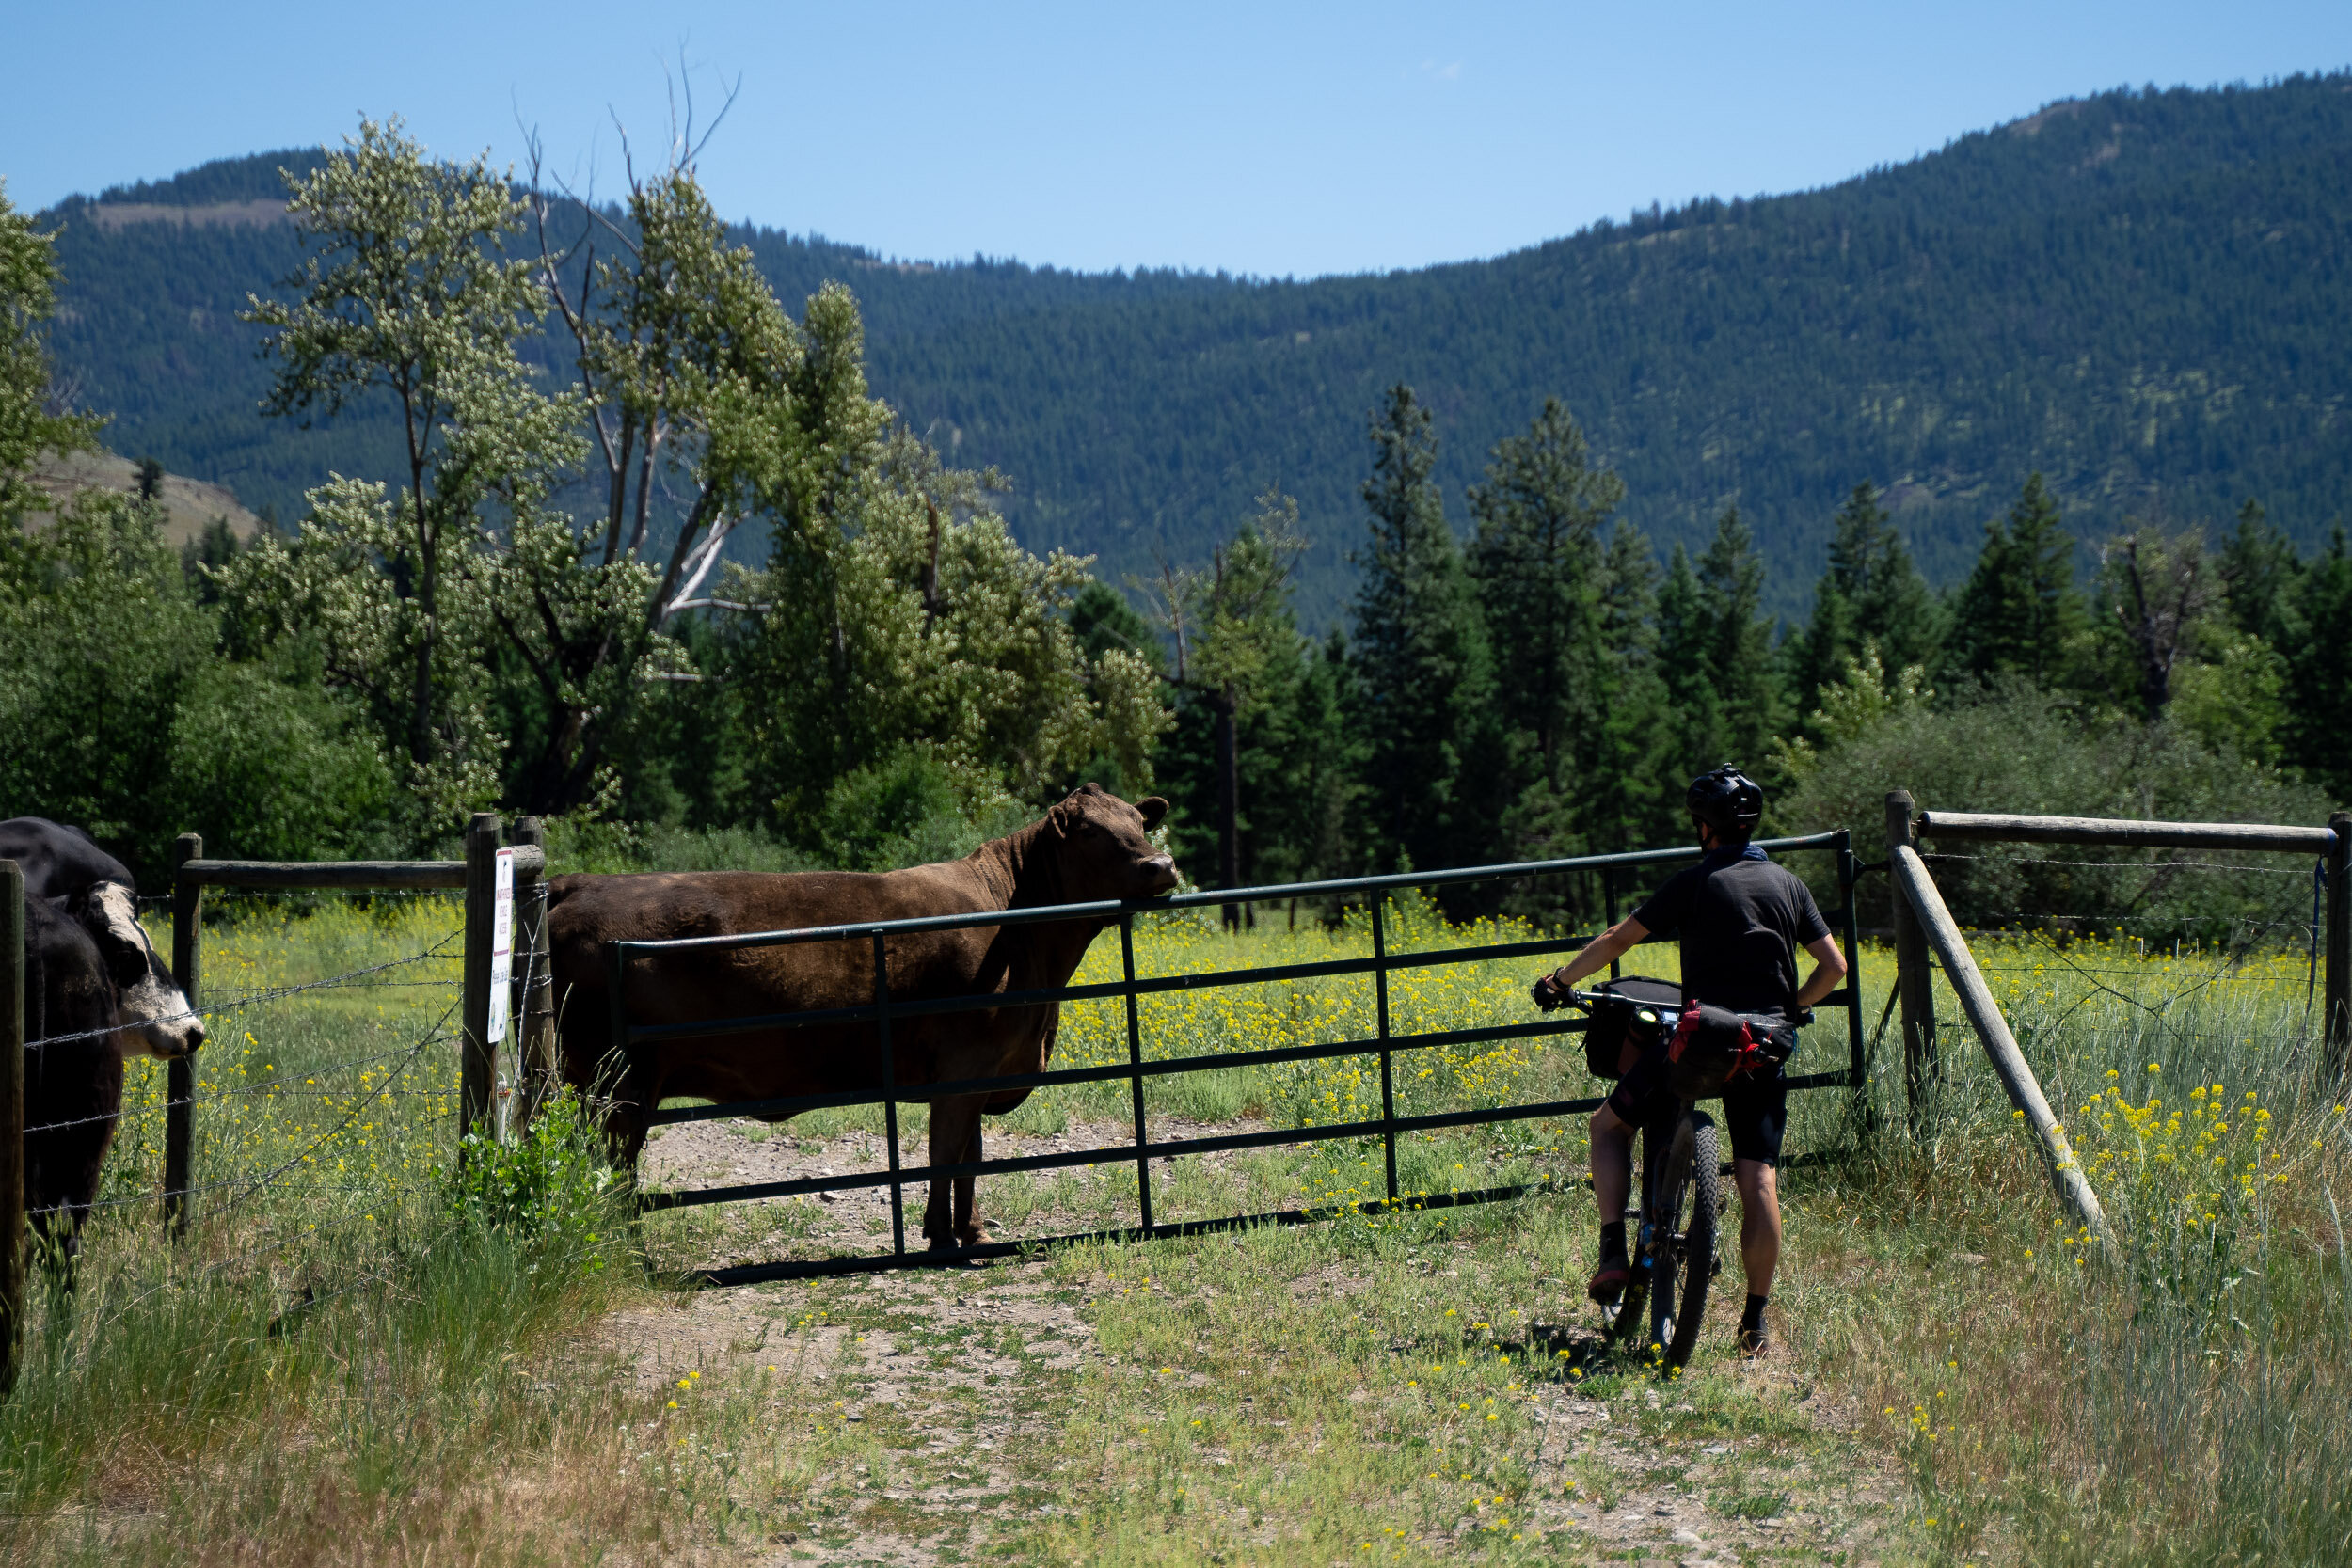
(2157, 588)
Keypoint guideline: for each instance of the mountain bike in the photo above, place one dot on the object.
(1678, 1201)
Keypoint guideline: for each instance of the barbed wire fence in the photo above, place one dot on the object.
(2114, 948)
(322, 1120)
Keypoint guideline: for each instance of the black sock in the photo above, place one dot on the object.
(1754, 1316)
(1612, 1243)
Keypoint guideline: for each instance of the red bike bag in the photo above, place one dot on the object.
(1711, 1045)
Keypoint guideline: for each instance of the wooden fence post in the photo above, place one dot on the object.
(1917, 984)
(2339, 1014)
(535, 1000)
(1913, 885)
(187, 965)
(478, 1066)
(12, 1118)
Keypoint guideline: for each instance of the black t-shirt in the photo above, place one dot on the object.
(1740, 920)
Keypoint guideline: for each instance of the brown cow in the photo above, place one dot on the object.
(1091, 845)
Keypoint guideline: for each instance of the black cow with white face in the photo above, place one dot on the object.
(95, 992)
(73, 1067)
(63, 864)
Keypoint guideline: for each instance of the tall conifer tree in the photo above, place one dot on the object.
(2258, 571)
(2020, 613)
(1537, 561)
(1627, 763)
(2318, 650)
(1686, 666)
(1738, 639)
(1872, 594)
(1422, 684)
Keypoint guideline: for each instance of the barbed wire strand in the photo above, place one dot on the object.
(2116, 865)
(260, 999)
(277, 1089)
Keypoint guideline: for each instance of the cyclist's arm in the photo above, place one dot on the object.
(1606, 949)
(1829, 967)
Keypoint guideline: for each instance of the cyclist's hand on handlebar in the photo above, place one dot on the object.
(1550, 994)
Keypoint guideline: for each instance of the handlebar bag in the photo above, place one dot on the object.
(1617, 1019)
(1711, 1045)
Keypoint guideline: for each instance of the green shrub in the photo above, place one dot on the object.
(553, 1188)
(908, 809)
(270, 771)
(2021, 749)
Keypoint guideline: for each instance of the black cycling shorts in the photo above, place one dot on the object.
(1755, 1106)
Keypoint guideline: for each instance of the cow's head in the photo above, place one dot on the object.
(155, 1013)
(1104, 852)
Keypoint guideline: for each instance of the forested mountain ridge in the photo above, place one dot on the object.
(2143, 295)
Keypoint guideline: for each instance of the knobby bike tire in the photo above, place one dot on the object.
(1665, 1186)
(1694, 1256)
(1631, 1323)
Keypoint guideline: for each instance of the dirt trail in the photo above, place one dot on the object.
(926, 1411)
(730, 1153)
(938, 1391)
(1607, 1474)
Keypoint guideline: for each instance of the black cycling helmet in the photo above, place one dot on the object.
(1726, 800)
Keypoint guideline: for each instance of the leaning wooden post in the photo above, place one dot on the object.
(11, 1119)
(477, 1057)
(535, 1000)
(187, 965)
(1913, 979)
(2339, 1015)
(1975, 999)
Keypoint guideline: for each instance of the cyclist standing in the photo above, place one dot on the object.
(1740, 920)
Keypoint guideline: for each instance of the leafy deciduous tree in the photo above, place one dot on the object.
(29, 424)
(407, 294)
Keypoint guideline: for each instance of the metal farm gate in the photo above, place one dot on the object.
(882, 1010)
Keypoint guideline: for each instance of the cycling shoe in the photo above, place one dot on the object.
(1609, 1281)
(1755, 1343)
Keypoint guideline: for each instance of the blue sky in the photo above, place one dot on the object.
(1267, 139)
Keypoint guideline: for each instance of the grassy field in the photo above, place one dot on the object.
(344, 1365)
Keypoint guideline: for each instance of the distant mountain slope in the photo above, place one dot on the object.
(189, 505)
(2144, 294)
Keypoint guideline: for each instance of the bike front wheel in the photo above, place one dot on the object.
(1686, 1187)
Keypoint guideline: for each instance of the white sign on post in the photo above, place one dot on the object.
(502, 945)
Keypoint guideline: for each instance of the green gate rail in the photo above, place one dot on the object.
(1383, 1043)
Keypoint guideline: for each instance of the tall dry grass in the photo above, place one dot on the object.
(2189, 1402)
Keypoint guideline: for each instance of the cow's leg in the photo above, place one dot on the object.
(967, 1219)
(955, 1127)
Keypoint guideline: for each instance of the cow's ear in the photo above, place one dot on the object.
(1154, 811)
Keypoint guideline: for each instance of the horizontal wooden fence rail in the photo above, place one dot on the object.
(2330, 845)
(348, 875)
(2150, 836)
(889, 1094)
